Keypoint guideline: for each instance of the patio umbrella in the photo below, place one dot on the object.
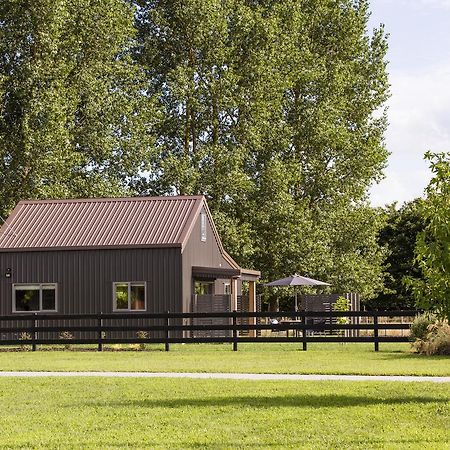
(296, 280)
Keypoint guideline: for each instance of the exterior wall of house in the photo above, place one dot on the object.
(85, 277)
(202, 254)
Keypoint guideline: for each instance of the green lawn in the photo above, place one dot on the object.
(393, 359)
(167, 413)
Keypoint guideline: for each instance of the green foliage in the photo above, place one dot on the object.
(399, 236)
(419, 327)
(268, 110)
(341, 304)
(74, 119)
(433, 244)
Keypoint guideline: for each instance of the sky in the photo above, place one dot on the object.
(419, 107)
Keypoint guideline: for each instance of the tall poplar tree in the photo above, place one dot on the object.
(75, 116)
(211, 63)
(274, 111)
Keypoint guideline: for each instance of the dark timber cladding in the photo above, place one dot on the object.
(85, 277)
(90, 251)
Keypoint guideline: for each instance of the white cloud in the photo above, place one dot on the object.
(400, 186)
(419, 116)
(419, 110)
(417, 3)
(439, 3)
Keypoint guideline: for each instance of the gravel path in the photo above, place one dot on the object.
(230, 376)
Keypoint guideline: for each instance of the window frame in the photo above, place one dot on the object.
(129, 284)
(40, 285)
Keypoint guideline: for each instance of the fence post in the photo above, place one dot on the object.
(375, 332)
(304, 343)
(166, 346)
(235, 344)
(100, 332)
(330, 331)
(33, 333)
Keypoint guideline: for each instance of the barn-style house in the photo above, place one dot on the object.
(143, 254)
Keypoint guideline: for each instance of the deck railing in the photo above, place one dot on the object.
(301, 327)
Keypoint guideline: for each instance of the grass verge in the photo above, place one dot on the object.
(162, 413)
(358, 359)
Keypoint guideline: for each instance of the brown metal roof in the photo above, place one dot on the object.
(113, 222)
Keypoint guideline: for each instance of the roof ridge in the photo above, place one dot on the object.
(111, 199)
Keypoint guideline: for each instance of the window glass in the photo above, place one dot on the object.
(129, 296)
(138, 296)
(34, 297)
(122, 296)
(48, 298)
(27, 298)
(203, 288)
(203, 226)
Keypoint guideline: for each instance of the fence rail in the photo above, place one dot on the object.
(170, 328)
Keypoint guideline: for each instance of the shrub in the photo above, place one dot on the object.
(436, 341)
(66, 335)
(24, 336)
(117, 347)
(419, 327)
(342, 304)
(135, 347)
(142, 335)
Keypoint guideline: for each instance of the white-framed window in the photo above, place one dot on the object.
(203, 227)
(227, 288)
(39, 297)
(129, 296)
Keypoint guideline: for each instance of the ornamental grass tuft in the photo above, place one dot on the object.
(436, 340)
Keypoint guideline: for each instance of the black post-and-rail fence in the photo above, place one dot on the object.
(301, 327)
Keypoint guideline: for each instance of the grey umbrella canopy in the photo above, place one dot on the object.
(296, 280)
